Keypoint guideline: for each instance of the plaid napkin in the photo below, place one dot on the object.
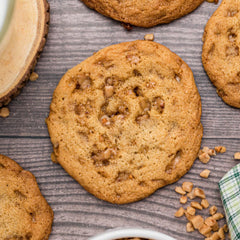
(230, 192)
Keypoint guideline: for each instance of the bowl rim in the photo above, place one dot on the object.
(7, 16)
(115, 234)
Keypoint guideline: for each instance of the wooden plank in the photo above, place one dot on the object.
(79, 215)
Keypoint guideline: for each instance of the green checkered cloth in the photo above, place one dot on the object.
(230, 193)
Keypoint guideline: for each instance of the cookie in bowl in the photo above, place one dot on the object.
(126, 121)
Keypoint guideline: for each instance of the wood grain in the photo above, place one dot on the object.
(75, 33)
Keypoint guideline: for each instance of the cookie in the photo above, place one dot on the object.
(220, 55)
(24, 213)
(144, 13)
(126, 121)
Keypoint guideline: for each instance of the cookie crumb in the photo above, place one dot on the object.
(149, 37)
(4, 112)
(33, 76)
(220, 149)
(127, 26)
(53, 157)
(205, 173)
(237, 156)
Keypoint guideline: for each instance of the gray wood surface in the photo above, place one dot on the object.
(75, 33)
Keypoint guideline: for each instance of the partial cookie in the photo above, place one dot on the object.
(220, 54)
(144, 13)
(126, 121)
(24, 213)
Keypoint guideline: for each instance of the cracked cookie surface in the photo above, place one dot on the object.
(144, 13)
(126, 121)
(24, 213)
(220, 54)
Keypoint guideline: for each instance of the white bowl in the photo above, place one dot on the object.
(6, 10)
(131, 233)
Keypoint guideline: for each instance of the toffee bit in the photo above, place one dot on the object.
(127, 26)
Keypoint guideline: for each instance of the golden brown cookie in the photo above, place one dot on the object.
(24, 213)
(144, 13)
(126, 121)
(220, 55)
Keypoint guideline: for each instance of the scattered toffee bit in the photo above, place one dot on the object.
(220, 149)
(212, 210)
(183, 199)
(205, 203)
(189, 227)
(33, 76)
(149, 37)
(127, 26)
(198, 192)
(237, 156)
(180, 191)
(187, 186)
(4, 112)
(204, 158)
(196, 205)
(206, 153)
(205, 173)
(180, 212)
(208, 227)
